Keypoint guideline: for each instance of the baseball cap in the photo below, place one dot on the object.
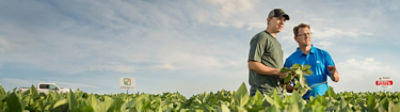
(278, 13)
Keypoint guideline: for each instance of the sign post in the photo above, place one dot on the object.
(127, 83)
(384, 82)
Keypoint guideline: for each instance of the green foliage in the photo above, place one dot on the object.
(221, 101)
(296, 75)
(13, 103)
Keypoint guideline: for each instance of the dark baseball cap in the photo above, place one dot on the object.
(278, 13)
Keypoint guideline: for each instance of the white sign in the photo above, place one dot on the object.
(384, 82)
(127, 83)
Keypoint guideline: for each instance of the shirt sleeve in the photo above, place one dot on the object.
(329, 60)
(257, 48)
(287, 64)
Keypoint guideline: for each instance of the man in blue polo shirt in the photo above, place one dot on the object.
(320, 61)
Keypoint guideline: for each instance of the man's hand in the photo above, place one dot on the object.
(263, 69)
(283, 75)
(334, 73)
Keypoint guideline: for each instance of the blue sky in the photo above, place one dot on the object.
(185, 46)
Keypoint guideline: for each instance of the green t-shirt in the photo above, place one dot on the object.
(266, 49)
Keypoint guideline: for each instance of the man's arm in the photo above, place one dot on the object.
(265, 70)
(334, 73)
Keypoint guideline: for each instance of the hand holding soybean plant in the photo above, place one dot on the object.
(296, 76)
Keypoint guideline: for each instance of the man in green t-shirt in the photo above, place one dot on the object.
(266, 56)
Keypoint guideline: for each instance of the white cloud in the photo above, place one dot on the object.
(393, 5)
(324, 44)
(16, 82)
(166, 66)
(233, 13)
(74, 85)
(119, 68)
(185, 60)
(336, 33)
(230, 7)
(3, 45)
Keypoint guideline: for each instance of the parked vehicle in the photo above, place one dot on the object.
(45, 88)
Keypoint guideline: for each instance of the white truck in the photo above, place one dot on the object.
(45, 88)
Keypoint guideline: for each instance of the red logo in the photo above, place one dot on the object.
(384, 83)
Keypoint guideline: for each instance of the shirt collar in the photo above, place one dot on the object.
(312, 51)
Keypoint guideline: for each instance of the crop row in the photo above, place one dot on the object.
(221, 101)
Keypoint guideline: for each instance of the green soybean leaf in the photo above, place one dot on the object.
(242, 91)
(60, 102)
(284, 70)
(33, 92)
(331, 92)
(2, 92)
(295, 66)
(277, 99)
(13, 103)
(307, 72)
(288, 79)
(306, 67)
(224, 108)
(72, 103)
(371, 103)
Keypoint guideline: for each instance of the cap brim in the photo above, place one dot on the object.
(286, 16)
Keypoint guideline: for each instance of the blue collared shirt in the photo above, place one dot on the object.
(319, 60)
